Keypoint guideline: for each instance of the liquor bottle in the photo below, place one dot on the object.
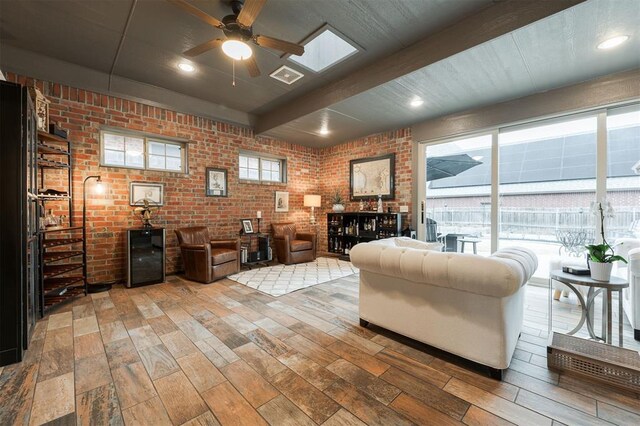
(50, 219)
(373, 225)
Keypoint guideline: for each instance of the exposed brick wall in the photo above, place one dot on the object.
(214, 144)
(334, 172)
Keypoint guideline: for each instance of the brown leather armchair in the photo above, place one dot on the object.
(291, 246)
(207, 260)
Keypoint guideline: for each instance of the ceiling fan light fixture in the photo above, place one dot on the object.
(237, 49)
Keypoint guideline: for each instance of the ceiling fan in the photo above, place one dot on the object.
(238, 31)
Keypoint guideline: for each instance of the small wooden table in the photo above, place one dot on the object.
(595, 288)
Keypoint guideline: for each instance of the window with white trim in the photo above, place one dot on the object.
(119, 149)
(262, 169)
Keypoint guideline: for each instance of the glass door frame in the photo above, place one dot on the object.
(422, 181)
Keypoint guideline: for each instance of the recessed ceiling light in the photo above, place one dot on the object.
(186, 67)
(416, 102)
(324, 131)
(613, 42)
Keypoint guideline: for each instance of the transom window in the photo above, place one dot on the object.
(264, 169)
(140, 152)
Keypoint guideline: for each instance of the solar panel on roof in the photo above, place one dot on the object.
(565, 158)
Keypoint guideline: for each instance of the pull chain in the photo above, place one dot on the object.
(234, 73)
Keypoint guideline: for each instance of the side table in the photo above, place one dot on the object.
(595, 288)
(255, 253)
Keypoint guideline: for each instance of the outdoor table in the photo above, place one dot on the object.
(473, 241)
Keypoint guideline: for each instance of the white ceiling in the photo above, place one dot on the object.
(76, 42)
(88, 32)
(554, 52)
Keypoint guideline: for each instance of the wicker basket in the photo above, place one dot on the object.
(591, 360)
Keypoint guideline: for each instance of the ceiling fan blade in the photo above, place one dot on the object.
(204, 47)
(250, 11)
(252, 66)
(197, 13)
(281, 45)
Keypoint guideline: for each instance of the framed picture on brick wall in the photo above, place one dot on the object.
(370, 177)
(282, 201)
(140, 191)
(247, 226)
(216, 182)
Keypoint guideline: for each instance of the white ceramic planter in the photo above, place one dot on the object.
(600, 271)
(338, 208)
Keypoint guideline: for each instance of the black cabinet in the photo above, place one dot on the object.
(18, 249)
(145, 256)
(345, 230)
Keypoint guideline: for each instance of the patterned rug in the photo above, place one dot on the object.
(283, 279)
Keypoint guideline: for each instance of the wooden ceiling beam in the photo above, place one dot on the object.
(494, 21)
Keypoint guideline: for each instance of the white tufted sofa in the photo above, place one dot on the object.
(465, 304)
(629, 248)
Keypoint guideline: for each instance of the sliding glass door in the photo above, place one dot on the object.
(458, 194)
(547, 182)
(533, 185)
(623, 182)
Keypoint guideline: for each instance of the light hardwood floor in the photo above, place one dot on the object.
(186, 353)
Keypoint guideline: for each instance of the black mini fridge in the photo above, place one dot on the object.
(145, 256)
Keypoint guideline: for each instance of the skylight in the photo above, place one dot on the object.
(325, 49)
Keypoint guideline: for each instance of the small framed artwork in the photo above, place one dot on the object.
(141, 191)
(247, 226)
(216, 182)
(370, 177)
(282, 201)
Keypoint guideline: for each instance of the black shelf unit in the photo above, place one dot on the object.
(255, 253)
(61, 248)
(345, 230)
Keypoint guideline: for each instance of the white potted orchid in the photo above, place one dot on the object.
(601, 256)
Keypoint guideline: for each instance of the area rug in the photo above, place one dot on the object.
(283, 279)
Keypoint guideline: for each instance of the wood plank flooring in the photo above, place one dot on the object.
(183, 353)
